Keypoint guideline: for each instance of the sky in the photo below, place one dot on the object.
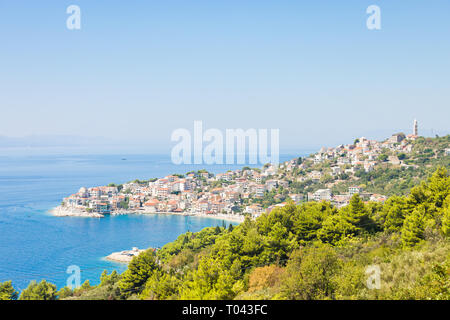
(138, 70)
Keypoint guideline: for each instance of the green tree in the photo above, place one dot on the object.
(393, 213)
(402, 156)
(446, 222)
(348, 222)
(413, 228)
(139, 270)
(107, 280)
(161, 286)
(432, 193)
(211, 280)
(64, 292)
(86, 285)
(279, 242)
(310, 274)
(357, 213)
(334, 229)
(39, 291)
(7, 291)
(309, 219)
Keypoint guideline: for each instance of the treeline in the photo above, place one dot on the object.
(309, 251)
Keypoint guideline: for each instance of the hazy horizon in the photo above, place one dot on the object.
(37, 145)
(136, 72)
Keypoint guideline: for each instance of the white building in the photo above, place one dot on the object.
(322, 194)
(336, 170)
(354, 189)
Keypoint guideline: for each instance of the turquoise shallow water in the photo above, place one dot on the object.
(35, 245)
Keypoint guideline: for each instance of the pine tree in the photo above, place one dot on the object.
(433, 193)
(106, 279)
(334, 229)
(39, 291)
(438, 187)
(394, 211)
(356, 214)
(64, 292)
(413, 228)
(86, 285)
(446, 222)
(7, 291)
(139, 270)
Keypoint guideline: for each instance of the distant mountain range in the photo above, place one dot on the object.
(39, 141)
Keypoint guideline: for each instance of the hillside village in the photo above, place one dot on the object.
(332, 174)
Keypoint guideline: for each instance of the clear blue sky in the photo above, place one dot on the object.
(140, 69)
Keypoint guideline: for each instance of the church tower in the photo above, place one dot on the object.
(416, 128)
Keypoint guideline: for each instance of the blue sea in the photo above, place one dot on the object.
(35, 245)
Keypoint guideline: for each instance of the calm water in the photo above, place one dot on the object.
(35, 245)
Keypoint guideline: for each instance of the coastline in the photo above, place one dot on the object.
(238, 219)
(124, 256)
(60, 211)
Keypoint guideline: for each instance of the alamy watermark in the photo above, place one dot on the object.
(74, 280)
(374, 277)
(374, 20)
(233, 147)
(73, 22)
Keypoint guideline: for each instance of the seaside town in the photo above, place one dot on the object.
(251, 191)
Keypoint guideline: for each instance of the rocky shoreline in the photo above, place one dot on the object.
(75, 212)
(124, 256)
